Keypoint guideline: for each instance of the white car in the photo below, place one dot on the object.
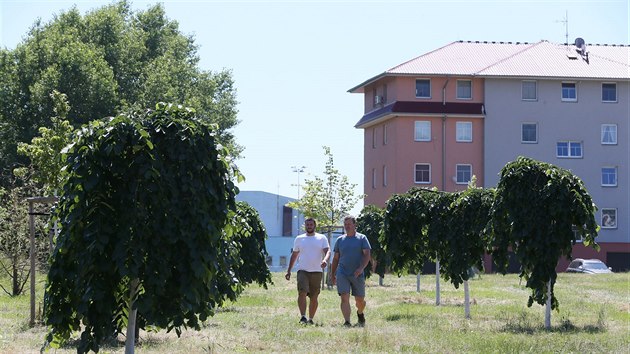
(589, 266)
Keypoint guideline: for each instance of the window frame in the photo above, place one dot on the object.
(569, 148)
(562, 91)
(523, 98)
(603, 134)
(416, 93)
(415, 173)
(615, 92)
(611, 213)
(457, 88)
(384, 134)
(535, 141)
(373, 178)
(384, 176)
(415, 130)
(457, 132)
(614, 173)
(457, 172)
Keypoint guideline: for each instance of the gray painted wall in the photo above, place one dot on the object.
(557, 121)
(270, 207)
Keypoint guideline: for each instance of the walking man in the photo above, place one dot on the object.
(352, 255)
(312, 252)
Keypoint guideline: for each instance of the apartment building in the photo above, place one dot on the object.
(468, 108)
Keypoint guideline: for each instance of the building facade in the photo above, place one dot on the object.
(469, 108)
(281, 223)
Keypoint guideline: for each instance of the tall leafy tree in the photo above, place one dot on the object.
(108, 61)
(149, 223)
(538, 207)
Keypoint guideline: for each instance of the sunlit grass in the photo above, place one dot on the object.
(594, 317)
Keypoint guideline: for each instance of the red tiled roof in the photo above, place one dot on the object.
(505, 59)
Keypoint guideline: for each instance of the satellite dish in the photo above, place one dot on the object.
(579, 42)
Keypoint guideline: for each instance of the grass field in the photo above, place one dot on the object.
(594, 317)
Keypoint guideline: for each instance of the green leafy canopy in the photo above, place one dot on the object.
(149, 197)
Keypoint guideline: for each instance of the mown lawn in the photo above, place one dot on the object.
(594, 317)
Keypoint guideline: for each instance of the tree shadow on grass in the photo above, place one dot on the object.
(401, 316)
(523, 323)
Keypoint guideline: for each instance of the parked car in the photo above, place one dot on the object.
(589, 266)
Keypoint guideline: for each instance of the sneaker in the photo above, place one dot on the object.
(347, 324)
(361, 317)
(310, 322)
(303, 320)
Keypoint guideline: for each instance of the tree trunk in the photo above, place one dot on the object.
(131, 320)
(437, 282)
(466, 300)
(380, 280)
(418, 282)
(548, 307)
(15, 291)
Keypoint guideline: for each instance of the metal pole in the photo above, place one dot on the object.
(32, 256)
(298, 170)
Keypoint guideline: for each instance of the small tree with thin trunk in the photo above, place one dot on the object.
(538, 212)
(149, 225)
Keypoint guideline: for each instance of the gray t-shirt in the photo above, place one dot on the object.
(350, 250)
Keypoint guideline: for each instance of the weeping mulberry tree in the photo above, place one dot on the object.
(463, 245)
(538, 207)
(149, 225)
(370, 223)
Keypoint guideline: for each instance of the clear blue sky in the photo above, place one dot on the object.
(293, 61)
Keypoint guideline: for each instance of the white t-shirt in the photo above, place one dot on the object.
(311, 250)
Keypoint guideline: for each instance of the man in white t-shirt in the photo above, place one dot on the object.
(312, 251)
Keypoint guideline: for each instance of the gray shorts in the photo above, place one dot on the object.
(346, 283)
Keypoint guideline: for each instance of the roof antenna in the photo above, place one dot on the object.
(566, 28)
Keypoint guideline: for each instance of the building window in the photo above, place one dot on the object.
(422, 173)
(384, 176)
(422, 131)
(269, 261)
(529, 133)
(464, 174)
(423, 88)
(373, 178)
(384, 93)
(287, 221)
(374, 138)
(375, 98)
(385, 134)
(609, 134)
(569, 91)
(528, 90)
(283, 261)
(609, 218)
(464, 131)
(609, 92)
(569, 149)
(609, 176)
(464, 89)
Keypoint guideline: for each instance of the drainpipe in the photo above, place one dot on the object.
(444, 137)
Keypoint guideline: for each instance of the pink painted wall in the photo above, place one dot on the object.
(404, 89)
(401, 152)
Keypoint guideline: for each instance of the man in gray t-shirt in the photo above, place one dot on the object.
(352, 254)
